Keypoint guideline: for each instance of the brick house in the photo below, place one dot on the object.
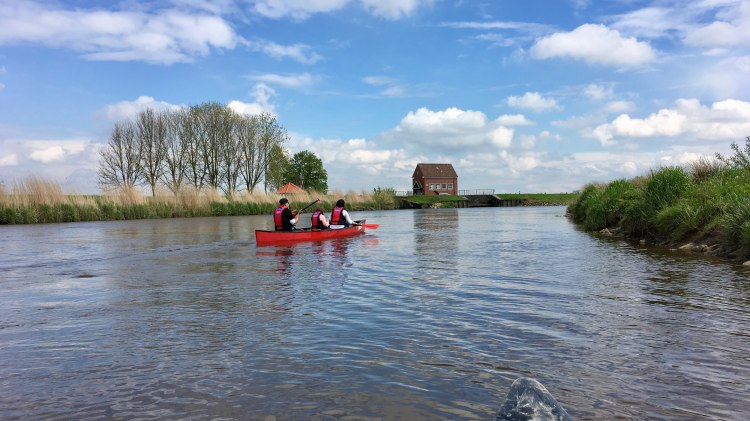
(432, 179)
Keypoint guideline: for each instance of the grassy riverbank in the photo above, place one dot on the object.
(37, 201)
(703, 208)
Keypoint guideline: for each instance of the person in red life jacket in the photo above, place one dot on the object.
(339, 215)
(319, 221)
(283, 217)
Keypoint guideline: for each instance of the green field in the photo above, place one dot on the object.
(533, 199)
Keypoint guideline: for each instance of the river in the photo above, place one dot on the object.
(430, 316)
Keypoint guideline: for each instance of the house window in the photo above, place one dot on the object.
(444, 186)
(450, 186)
(432, 187)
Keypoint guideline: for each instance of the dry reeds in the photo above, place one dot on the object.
(35, 191)
(38, 201)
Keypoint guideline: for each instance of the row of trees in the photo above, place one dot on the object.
(206, 146)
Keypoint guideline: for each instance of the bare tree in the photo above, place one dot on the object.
(151, 133)
(120, 159)
(207, 144)
(176, 153)
(213, 118)
(230, 151)
(193, 134)
(247, 132)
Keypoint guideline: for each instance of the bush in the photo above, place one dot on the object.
(384, 198)
(577, 210)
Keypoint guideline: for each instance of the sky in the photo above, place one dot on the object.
(531, 97)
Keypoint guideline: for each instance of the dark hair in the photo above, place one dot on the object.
(283, 200)
(340, 203)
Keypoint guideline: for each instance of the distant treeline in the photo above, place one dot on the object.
(708, 202)
(206, 146)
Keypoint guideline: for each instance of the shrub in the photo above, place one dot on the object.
(705, 169)
(384, 198)
(577, 210)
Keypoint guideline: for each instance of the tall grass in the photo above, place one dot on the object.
(41, 201)
(709, 201)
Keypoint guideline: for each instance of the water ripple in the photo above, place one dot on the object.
(432, 316)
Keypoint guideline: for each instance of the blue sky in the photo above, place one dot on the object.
(537, 96)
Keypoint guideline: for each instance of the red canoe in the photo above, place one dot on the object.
(263, 237)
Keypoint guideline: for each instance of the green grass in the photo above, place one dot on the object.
(671, 205)
(444, 200)
(542, 198)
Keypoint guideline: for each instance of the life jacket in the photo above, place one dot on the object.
(316, 223)
(277, 219)
(336, 218)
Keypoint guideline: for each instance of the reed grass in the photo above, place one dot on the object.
(36, 200)
(709, 200)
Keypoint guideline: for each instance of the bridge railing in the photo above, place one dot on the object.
(476, 192)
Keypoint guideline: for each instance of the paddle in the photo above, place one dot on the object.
(301, 210)
(368, 226)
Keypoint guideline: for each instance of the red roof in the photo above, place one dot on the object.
(435, 171)
(289, 188)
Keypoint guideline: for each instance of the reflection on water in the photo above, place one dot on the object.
(432, 316)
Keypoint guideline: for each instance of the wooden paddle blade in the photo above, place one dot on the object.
(371, 226)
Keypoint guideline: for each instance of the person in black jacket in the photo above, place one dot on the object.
(283, 217)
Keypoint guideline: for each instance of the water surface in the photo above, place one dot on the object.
(431, 316)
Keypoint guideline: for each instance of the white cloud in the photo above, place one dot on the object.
(125, 110)
(165, 37)
(502, 137)
(299, 52)
(53, 159)
(263, 94)
(392, 91)
(303, 9)
(378, 80)
(733, 30)
(595, 44)
(451, 130)
(653, 22)
(301, 80)
(296, 9)
(451, 120)
(391, 86)
(10, 160)
(216, 7)
(47, 155)
(724, 120)
(54, 150)
(619, 107)
(526, 27)
(598, 92)
(533, 101)
(358, 162)
(393, 9)
(513, 120)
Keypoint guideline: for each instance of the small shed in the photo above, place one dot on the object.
(432, 179)
(289, 188)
